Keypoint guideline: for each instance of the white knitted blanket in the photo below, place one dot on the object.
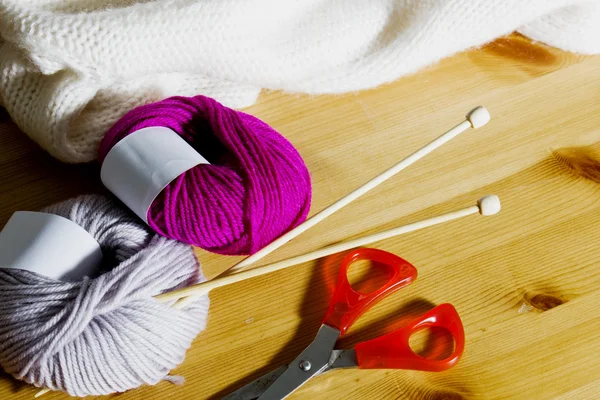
(70, 68)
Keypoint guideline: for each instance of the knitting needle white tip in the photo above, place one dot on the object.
(489, 205)
(42, 392)
(478, 117)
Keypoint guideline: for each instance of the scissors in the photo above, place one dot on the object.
(347, 305)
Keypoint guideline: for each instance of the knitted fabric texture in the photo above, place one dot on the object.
(255, 188)
(69, 70)
(102, 335)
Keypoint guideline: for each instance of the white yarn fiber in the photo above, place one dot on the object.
(106, 334)
(69, 70)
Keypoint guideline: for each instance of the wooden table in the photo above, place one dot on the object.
(525, 282)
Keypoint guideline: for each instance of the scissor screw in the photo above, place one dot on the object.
(305, 365)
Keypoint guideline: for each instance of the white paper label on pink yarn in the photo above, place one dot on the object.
(143, 163)
(49, 245)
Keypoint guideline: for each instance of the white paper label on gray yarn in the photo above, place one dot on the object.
(143, 163)
(49, 245)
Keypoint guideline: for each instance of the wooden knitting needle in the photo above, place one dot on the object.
(476, 118)
(488, 205)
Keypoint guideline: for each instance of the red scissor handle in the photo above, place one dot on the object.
(393, 350)
(347, 304)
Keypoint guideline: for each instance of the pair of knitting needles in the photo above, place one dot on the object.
(488, 205)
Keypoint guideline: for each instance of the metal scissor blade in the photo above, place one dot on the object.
(312, 361)
(254, 389)
(342, 359)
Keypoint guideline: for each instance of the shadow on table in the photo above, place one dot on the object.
(31, 179)
(16, 386)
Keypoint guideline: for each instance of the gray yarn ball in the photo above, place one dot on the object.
(106, 334)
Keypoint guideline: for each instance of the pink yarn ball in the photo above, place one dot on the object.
(255, 188)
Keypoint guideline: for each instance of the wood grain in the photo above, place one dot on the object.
(525, 282)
